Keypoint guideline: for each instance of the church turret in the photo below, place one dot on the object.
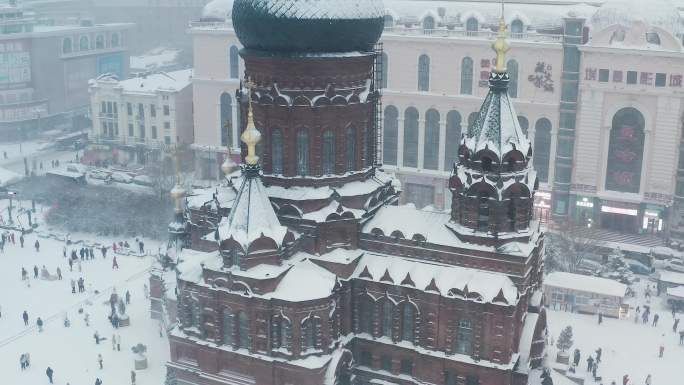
(493, 182)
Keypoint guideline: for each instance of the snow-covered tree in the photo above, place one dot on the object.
(565, 339)
(567, 247)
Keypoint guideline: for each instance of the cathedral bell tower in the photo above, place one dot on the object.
(493, 182)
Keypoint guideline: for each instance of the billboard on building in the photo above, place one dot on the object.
(15, 63)
(111, 64)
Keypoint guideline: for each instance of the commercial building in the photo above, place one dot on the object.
(44, 70)
(135, 120)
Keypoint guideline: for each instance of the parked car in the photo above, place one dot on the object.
(76, 168)
(121, 177)
(99, 174)
(637, 267)
(143, 180)
(674, 264)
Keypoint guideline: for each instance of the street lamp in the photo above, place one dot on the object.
(10, 194)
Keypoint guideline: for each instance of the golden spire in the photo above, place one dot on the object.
(251, 136)
(500, 45)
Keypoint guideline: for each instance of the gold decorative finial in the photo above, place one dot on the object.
(501, 46)
(251, 136)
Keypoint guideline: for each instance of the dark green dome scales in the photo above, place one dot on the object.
(308, 26)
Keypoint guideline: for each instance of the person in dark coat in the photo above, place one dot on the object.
(600, 318)
(103, 250)
(115, 264)
(576, 357)
(590, 363)
(676, 324)
(25, 317)
(21, 240)
(128, 297)
(39, 322)
(37, 245)
(35, 272)
(59, 273)
(48, 373)
(599, 351)
(133, 377)
(98, 381)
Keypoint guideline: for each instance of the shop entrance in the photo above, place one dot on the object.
(620, 222)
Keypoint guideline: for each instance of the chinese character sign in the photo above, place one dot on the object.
(542, 77)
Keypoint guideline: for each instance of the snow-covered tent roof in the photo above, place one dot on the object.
(305, 281)
(447, 280)
(252, 216)
(671, 277)
(676, 292)
(410, 222)
(585, 283)
(200, 197)
(496, 127)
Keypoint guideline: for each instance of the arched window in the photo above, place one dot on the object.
(228, 327)
(303, 152)
(83, 43)
(408, 322)
(309, 333)
(365, 315)
(453, 139)
(234, 62)
(428, 24)
(653, 38)
(431, 144)
(389, 21)
(350, 139)
(512, 68)
(472, 26)
(467, 76)
(626, 151)
(483, 212)
(387, 317)
(524, 124)
(282, 333)
(276, 151)
(516, 28)
(99, 42)
(115, 40)
(390, 139)
(385, 73)
(243, 332)
(542, 148)
(226, 122)
(328, 152)
(472, 119)
(424, 73)
(464, 338)
(411, 137)
(67, 45)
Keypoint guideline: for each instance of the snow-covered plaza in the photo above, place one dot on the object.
(71, 351)
(627, 347)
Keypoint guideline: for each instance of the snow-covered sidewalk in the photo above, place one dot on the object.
(71, 352)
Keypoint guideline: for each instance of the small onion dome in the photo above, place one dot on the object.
(177, 192)
(305, 26)
(228, 166)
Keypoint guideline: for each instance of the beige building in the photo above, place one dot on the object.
(139, 118)
(605, 123)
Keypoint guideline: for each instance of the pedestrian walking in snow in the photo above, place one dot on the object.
(118, 342)
(625, 379)
(676, 324)
(25, 317)
(24, 274)
(141, 246)
(35, 272)
(27, 360)
(73, 286)
(103, 250)
(87, 319)
(98, 381)
(661, 350)
(590, 363)
(71, 264)
(97, 338)
(48, 373)
(655, 320)
(599, 351)
(576, 357)
(67, 323)
(59, 273)
(37, 245)
(593, 371)
(600, 318)
(99, 360)
(128, 297)
(132, 377)
(39, 322)
(115, 265)
(21, 241)
(22, 362)
(648, 380)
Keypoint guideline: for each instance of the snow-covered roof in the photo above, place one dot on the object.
(496, 127)
(411, 221)
(532, 14)
(334, 207)
(672, 277)
(163, 81)
(189, 261)
(218, 10)
(658, 13)
(155, 59)
(252, 216)
(585, 283)
(305, 281)
(199, 197)
(8, 177)
(475, 284)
